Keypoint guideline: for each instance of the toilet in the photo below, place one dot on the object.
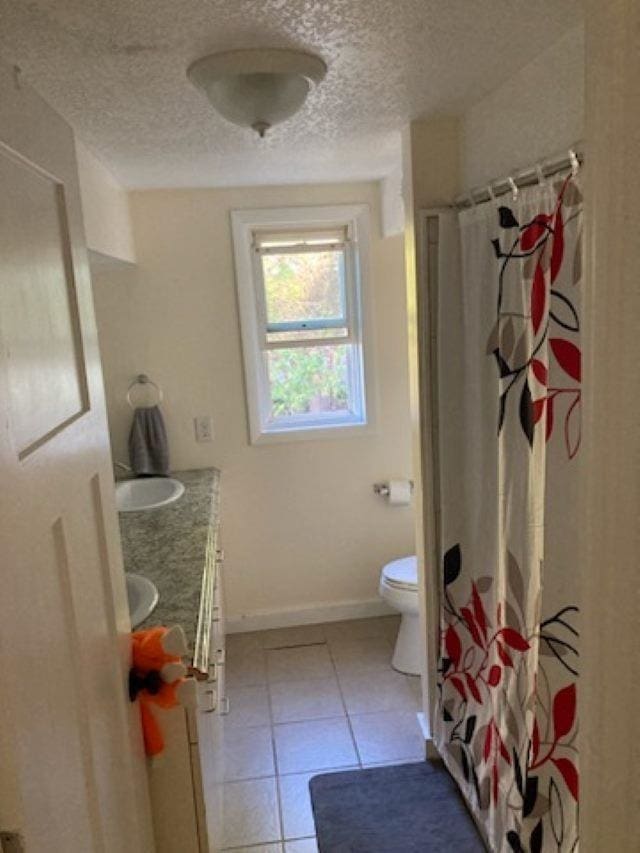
(399, 588)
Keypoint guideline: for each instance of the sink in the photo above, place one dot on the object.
(142, 596)
(147, 493)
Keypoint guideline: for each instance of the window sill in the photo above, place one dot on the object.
(314, 433)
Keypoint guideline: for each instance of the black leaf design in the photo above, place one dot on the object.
(507, 219)
(470, 728)
(557, 813)
(564, 314)
(476, 783)
(530, 795)
(452, 564)
(514, 842)
(465, 765)
(446, 663)
(557, 638)
(446, 716)
(535, 841)
(503, 367)
(501, 411)
(526, 413)
(518, 773)
(496, 248)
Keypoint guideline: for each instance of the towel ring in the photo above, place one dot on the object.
(143, 379)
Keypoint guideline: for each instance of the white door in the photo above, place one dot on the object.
(72, 773)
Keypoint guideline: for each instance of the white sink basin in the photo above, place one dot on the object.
(147, 493)
(143, 597)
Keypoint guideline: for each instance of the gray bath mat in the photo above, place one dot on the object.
(406, 808)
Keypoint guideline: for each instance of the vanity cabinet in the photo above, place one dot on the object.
(185, 781)
(178, 548)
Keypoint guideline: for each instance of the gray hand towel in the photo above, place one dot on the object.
(148, 446)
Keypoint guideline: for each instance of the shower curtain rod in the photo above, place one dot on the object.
(520, 178)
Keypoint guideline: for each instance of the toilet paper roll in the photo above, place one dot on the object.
(399, 492)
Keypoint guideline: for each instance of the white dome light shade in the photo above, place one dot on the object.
(257, 88)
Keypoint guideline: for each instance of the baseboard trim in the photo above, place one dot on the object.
(431, 750)
(262, 620)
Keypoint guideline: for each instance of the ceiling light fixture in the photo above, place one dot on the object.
(257, 88)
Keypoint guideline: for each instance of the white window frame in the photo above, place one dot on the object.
(355, 221)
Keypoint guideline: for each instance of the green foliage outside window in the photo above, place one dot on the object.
(314, 378)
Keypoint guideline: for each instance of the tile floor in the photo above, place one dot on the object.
(305, 701)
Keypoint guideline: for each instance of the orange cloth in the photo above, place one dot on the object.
(148, 656)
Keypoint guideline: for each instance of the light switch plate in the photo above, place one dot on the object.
(204, 428)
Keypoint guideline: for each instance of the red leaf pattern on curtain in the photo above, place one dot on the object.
(568, 356)
(557, 250)
(538, 298)
(453, 646)
(514, 754)
(569, 774)
(539, 370)
(564, 711)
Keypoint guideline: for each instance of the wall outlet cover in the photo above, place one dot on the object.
(204, 428)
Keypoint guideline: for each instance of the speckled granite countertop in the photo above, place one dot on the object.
(174, 546)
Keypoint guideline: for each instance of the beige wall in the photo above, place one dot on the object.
(105, 208)
(608, 560)
(301, 525)
(431, 179)
(536, 113)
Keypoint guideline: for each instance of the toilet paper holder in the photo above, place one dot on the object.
(382, 489)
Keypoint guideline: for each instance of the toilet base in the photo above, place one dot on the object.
(406, 657)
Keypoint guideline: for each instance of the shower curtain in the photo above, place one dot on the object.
(508, 360)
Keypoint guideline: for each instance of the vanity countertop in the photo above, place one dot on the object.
(174, 546)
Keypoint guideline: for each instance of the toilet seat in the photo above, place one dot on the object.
(402, 574)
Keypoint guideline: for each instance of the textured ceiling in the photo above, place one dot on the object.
(116, 70)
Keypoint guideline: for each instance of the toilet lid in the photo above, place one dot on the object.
(402, 573)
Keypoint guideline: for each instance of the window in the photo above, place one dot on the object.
(300, 277)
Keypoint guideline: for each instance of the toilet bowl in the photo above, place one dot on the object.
(399, 588)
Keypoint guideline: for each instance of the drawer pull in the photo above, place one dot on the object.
(212, 703)
(221, 656)
(213, 673)
(219, 555)
(225, 705)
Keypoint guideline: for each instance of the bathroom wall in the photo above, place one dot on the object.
(105, 209)
(537, 112)
(301, 525)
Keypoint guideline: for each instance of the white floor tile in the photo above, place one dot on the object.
(302, 845)
(251, 813)
(245, 642)
(362, 629)
(300, 635)
(293, 701)
(314, 745)
(298, 664)
(259, 848)
(380, 691)
(354, 657)
(248, 753)
(245, 668)
(388, 736)
(295, 803)
(248, 706)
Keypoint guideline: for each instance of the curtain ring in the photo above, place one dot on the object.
(540, 173)
(492, 195)
(514, 188)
